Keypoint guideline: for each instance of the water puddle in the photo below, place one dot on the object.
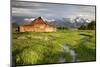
(68, 50)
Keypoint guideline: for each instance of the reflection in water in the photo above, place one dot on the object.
(62, 59)
(66, 49)
(73, 54)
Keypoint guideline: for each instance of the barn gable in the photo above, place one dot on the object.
(38, 20)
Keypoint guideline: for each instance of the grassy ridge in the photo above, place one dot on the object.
(40, 48)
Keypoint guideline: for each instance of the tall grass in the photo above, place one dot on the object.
(41, 48)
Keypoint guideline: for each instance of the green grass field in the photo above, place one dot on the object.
(42, 48)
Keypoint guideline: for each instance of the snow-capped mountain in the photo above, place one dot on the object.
(58, 22)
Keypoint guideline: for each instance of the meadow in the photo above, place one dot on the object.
(55, 47)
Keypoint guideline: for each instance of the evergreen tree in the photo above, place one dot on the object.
(82, 27)
(89, 26)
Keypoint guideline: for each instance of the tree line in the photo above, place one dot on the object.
(89, 26)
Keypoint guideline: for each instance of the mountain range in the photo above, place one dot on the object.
(62, 22)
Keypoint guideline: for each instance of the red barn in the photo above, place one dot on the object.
(38, 25)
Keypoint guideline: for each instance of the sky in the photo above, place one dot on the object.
(51, 10)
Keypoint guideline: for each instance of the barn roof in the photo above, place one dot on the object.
(38, 20)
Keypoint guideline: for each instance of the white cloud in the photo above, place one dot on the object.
(28, 19)
(49, 20)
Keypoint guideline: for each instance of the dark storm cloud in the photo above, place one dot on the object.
(32, 9)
